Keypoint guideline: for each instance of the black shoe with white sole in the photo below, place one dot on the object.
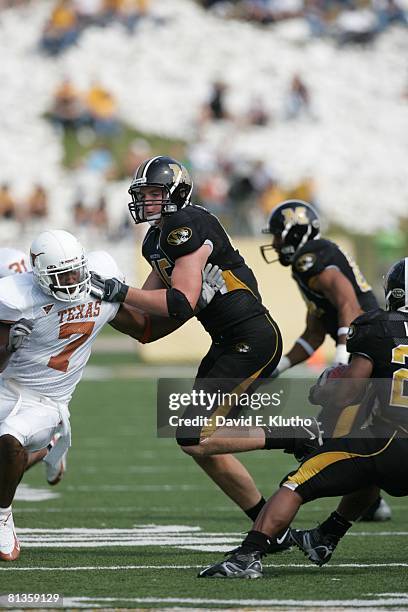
(238, 565)
(317, 546)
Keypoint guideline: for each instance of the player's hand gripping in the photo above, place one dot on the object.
(19, 331)
(213, 281)
(108, 289)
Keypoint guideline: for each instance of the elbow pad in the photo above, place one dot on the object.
(178, 305)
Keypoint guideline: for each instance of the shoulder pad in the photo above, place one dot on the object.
(362, 330)
(316, 246)
(104, 264)
(181, 234)
(368, 318)
(15, 296)
(313, 257)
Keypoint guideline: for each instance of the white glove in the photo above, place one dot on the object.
(213, 281)
(18, 333)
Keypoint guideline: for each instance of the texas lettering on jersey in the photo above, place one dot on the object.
(80, 311)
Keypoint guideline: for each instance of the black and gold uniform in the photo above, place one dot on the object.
(380, 454)
(312, 259)
(246, 342)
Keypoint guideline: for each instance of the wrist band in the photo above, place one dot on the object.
(284, 364)
(306, 346)
(147, 330)
(342, 355)
(342, 330)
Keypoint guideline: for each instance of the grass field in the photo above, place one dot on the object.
(135, 519)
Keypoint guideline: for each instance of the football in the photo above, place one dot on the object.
(333, 372)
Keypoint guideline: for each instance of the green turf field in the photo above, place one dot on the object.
(134, 519)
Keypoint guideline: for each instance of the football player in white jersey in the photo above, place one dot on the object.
(12, 261)
(48, 322)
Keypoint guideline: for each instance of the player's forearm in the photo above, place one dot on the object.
(346, 314)
(152, 302)
(129, 321)
(304, 347)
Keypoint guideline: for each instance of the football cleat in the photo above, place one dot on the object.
(54, 473)
(9, 544)
(316, 546)
(238, 565)
(280, 544)
(378, 512)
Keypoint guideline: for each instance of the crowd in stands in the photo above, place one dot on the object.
(242, 192)
(33, 206)
(33, 209)
(297, 102)
(69, 18)
(347, 21)
(96, 108)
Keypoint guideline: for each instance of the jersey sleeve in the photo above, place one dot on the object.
(9, 313)
(362, 338)
(15, 294)
(181, 235)
(313, 259)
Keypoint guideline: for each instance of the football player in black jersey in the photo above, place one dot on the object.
(378, 343)
(246, 342)
(329, 280)
(335, 292)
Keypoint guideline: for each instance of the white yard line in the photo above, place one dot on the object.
(397, 599)
(107, 568)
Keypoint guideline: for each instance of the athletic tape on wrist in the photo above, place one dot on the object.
(342, 330)
(306, 346)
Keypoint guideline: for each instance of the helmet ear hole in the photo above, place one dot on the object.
(396, 286)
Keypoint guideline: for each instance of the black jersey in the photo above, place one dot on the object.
(309, 261)
(382, 337)
(184, 232)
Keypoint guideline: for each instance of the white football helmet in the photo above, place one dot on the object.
(60, 266)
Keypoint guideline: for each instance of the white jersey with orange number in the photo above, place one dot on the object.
(52, 359)
(13, 261)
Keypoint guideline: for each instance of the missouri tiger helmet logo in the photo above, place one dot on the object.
(179, 236)
(398, 293)
(305, 262)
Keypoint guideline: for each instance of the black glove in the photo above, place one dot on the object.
(108, 289)
(18, 332)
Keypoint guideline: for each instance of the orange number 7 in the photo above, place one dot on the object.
(61, 361)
